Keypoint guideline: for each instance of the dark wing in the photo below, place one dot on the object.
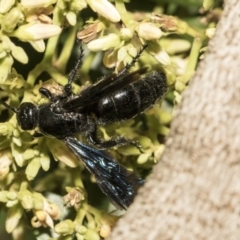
(102, 88)
(119, 184)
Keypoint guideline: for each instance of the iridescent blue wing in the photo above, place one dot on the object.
(119, 184)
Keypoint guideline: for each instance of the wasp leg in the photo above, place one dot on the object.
(72, 74)
(115, 142)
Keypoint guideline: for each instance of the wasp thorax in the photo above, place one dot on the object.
(27, 116)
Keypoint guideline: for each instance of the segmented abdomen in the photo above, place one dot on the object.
(132, 99)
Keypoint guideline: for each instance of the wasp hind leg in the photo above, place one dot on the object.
(114, 142)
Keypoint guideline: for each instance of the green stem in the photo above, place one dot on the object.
(77, 178)
(46, 61)
(193, 59)
(120, 6)
(64, 56)
(81, 213)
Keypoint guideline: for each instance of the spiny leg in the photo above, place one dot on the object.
(72, 74)
(134, 60)
(114, 142)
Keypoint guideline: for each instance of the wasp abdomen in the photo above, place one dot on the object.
(132, 99)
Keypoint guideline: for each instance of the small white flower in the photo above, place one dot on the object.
(36, 31)
(38, 45)
(5, 6)
(101, 44)
(71, 17)
(149, 31)
(210, 32)
(105, 8)
(162, 57)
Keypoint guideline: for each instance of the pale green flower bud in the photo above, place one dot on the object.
(16, 133)
(180, 86)
(11, 196)
(145, 142)
(81, 229)
(65, 227)
(37, 3)
(71, 17)
(143, 158)
(5, 162)
(32, 169)
(64, 154)
(175, 45)
(3, 196)
(26, 199)
(17, 155)
(36, 151)
(105, 8)
(19, 54)
(28, 154)
(61, 4)
(5, 67)
(158, 153)
(110, 59)
(36, 31)
(91, 235)
(126, 34)
(13, 217)
(163, 57)
(17, 141)
(5, 6)
(11, 19)
(122, 54)
(38, 45)
(79, 236)
(11, 203)
(78, 5)
(3, 54)
(158, 53)
(207, 4)
(104, 43)
(38, 201)
(6, 129)
(45, 162)
(210, 32)
(149, 31)
(132, 51)
(4, 170)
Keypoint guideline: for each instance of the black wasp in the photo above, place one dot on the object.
(114, 98)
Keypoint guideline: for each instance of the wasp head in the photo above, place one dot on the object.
(27, 116)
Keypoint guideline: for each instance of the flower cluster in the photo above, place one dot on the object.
(44, 211)
(27, 166)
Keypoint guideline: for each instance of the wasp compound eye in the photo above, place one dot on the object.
(27, 116)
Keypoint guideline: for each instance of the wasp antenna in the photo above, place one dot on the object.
(78, 64)
(8, 106)
(134, 60)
